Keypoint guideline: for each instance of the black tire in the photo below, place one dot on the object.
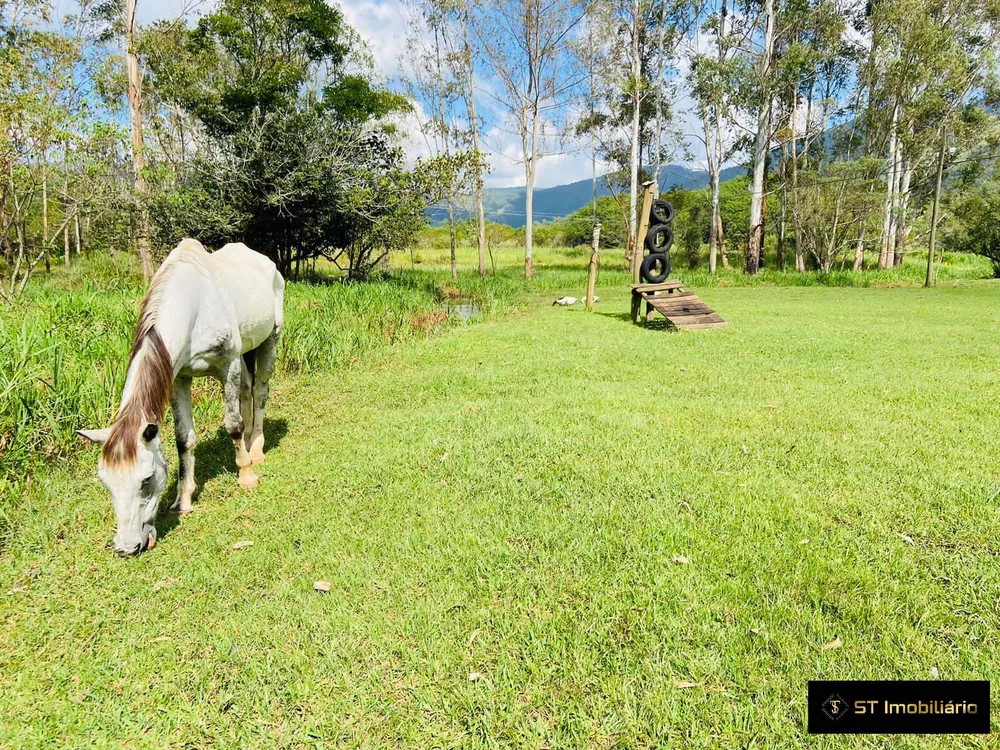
(661, 212)
(654, 261)
(659, 238)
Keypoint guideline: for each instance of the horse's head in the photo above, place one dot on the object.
(133, 468)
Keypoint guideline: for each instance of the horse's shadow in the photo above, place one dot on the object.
(212, 458)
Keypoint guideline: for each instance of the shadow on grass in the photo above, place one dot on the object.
(213, 457)
(658, 324)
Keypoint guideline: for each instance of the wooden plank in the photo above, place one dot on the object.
(695, 320)
(703, 326)
(637, 249)
(663, 285)
(684, 308)
(670, 295)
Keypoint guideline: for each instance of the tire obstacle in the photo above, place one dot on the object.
(681, 308)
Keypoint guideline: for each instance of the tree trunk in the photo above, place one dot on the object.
(755, 240)
(138, 152)
(935, 210)
(45, 218)
(474, 127)
(529, 193)
(884, 257)
(65, 203)
(76, 231)
(783, 209)
(713, 181)
(634, 154)
(800, 260)
(451, 236)
(659, 97)
(592, 266)
(859, 252)
(902, 222)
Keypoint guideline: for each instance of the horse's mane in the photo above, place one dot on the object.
(154, 378)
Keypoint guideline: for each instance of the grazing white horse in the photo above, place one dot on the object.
(217, 314)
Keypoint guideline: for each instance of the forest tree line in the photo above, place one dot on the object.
(867, 128)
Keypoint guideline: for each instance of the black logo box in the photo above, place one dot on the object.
(899, 707)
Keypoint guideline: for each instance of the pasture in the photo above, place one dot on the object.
(544, 528)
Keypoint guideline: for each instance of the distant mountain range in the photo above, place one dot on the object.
(506, 205)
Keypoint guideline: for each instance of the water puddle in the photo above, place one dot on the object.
(461, 308)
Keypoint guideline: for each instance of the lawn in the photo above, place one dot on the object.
(535, 528)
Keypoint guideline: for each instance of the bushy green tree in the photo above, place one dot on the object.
(972, 223)
(295, 155)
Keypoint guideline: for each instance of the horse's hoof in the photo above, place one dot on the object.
(256, 458)
(248, 481)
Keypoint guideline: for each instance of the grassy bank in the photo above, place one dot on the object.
(65, 346)
(555, 529)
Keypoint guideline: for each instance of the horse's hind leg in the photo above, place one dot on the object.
(235, 387)
(266, 355)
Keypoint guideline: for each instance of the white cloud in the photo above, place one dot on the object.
(382, 26)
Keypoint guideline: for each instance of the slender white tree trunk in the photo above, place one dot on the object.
(903, 220)
(531, 155)
(634, 155)
(885, 248)
(138, 151)
(474, 128)
(661, 38)
(755, 241)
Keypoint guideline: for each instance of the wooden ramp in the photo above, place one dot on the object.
(682, 308)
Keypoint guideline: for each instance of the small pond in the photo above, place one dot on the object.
(463, 308)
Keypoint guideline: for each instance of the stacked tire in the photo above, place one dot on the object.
(656, 265)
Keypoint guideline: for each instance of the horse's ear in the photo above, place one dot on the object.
(95, 436)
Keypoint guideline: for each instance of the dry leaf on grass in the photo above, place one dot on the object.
(755, 631)
(322, 586)
(804, 541)
(243, 544)
(681, 560)
(835, 643)
(682, 685)
(476, 676)
(162, 639)
(475, 634)
(907, 538)
(164, 583)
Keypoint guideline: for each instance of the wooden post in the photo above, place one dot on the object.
(592, 268)
(640, 237)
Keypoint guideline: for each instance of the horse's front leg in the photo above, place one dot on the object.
(233, 388)
(185, 436)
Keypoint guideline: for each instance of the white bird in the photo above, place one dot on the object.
(565, 301)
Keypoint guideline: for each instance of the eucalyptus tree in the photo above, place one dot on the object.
(525, 45)
(713, 74)
(431, 79)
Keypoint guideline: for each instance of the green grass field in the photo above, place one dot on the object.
(536, 527)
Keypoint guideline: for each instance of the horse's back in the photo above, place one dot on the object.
(254, 288)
